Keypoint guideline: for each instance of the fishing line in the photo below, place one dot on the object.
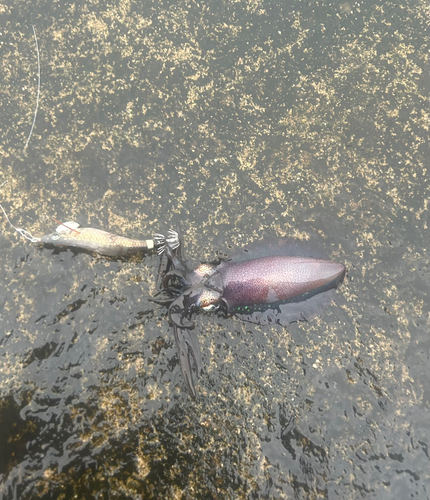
(28, 236)
(38, 89)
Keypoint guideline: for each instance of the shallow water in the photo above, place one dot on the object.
(239, 120)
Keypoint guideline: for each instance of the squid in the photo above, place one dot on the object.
(273, 281)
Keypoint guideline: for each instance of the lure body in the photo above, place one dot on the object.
(96, 240)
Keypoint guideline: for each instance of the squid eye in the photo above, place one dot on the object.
(55, 236)
(211, 307)
(208, 299)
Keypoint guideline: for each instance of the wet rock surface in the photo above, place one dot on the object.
(239, 120)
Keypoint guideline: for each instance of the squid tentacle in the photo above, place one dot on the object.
(178, 312)
(174, 273)
(188, 348)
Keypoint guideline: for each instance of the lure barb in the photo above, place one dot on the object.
(161, 242)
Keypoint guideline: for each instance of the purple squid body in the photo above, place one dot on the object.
(267, 280)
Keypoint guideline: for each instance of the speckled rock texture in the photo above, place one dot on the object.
(239, 120)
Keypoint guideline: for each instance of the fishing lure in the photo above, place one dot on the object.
(268, 282)
(71, 234)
